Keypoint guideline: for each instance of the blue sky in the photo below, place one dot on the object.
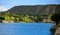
(7, 4)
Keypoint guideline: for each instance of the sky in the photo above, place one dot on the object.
(7, 4)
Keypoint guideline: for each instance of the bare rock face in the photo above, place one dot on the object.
(57, 32)
(53, 29)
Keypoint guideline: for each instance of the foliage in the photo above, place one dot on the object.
(55, 17)
(26, 18)
(37, 18)
(21, 18)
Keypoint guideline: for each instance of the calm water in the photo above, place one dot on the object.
(25, 29)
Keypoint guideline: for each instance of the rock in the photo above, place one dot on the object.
(55, 29)
(57, 32)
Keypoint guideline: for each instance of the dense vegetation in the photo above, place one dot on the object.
(56, 18)
(20, 18)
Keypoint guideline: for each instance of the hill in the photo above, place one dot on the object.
(31, 13)
(35, 9)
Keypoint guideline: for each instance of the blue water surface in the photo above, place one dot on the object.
(25, 28)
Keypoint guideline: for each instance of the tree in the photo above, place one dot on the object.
(37, 18)
(7, 18)
(26, 18)
(8, 13)
(56, 18)
(2, 18)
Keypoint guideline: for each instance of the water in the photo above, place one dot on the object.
(25, 29)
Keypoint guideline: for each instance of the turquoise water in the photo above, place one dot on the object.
(25, 29)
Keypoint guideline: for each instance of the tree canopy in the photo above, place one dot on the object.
(56, 18)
